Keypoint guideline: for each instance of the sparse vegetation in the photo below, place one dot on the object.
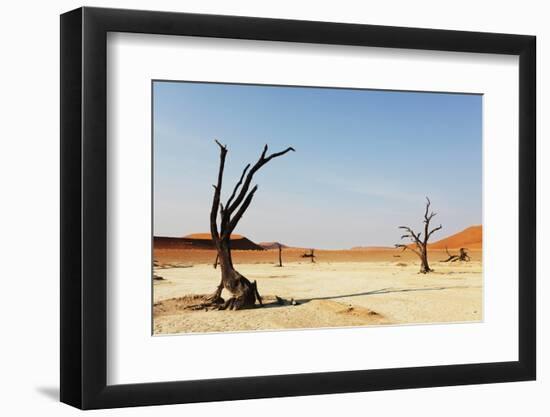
(462, 256)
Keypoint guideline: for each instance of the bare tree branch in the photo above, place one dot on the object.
(427, 209)
(260, 163)
(435, 230)
(414, 236)
(405, 247)
(427, 219)
(216, 200)
(235, 219)
(237, 186)
(277, 154)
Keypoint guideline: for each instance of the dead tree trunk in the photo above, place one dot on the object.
(243, 292)
(420, 247)
(280, 254)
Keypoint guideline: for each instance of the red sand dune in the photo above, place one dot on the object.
(471, 238)
(202, 241)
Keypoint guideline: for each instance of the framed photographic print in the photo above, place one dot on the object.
(258, 207)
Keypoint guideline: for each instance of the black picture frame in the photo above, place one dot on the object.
(84, 207)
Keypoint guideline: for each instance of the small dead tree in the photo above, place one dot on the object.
(311, 255)
(243, 292)
(280, 254)
(420, 247)
(462, 256)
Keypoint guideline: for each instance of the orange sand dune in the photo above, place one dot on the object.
(470, 238)
(202, 241)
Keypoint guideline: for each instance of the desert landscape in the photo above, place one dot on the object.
(297, 207)
(363, 286)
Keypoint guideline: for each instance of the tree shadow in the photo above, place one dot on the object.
(374, 292)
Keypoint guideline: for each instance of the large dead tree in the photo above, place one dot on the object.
(420, 242)
(243, 292)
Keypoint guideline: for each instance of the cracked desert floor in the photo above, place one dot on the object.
(342, 288)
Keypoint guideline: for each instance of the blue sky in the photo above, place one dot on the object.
(364, 160)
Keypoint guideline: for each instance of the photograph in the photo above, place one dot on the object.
(301, 207)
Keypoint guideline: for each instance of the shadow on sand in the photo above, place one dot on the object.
(374, 292)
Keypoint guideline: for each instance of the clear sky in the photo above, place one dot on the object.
(364, 161)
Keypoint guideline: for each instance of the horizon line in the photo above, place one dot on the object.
(311, 247)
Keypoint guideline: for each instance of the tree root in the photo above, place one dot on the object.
(247, 299)
(207, 305)
(216, 296)
(243, 301)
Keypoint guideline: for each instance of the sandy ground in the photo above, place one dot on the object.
(327, 294)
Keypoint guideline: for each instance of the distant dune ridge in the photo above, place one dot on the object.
(202, 241)
(471, 238)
